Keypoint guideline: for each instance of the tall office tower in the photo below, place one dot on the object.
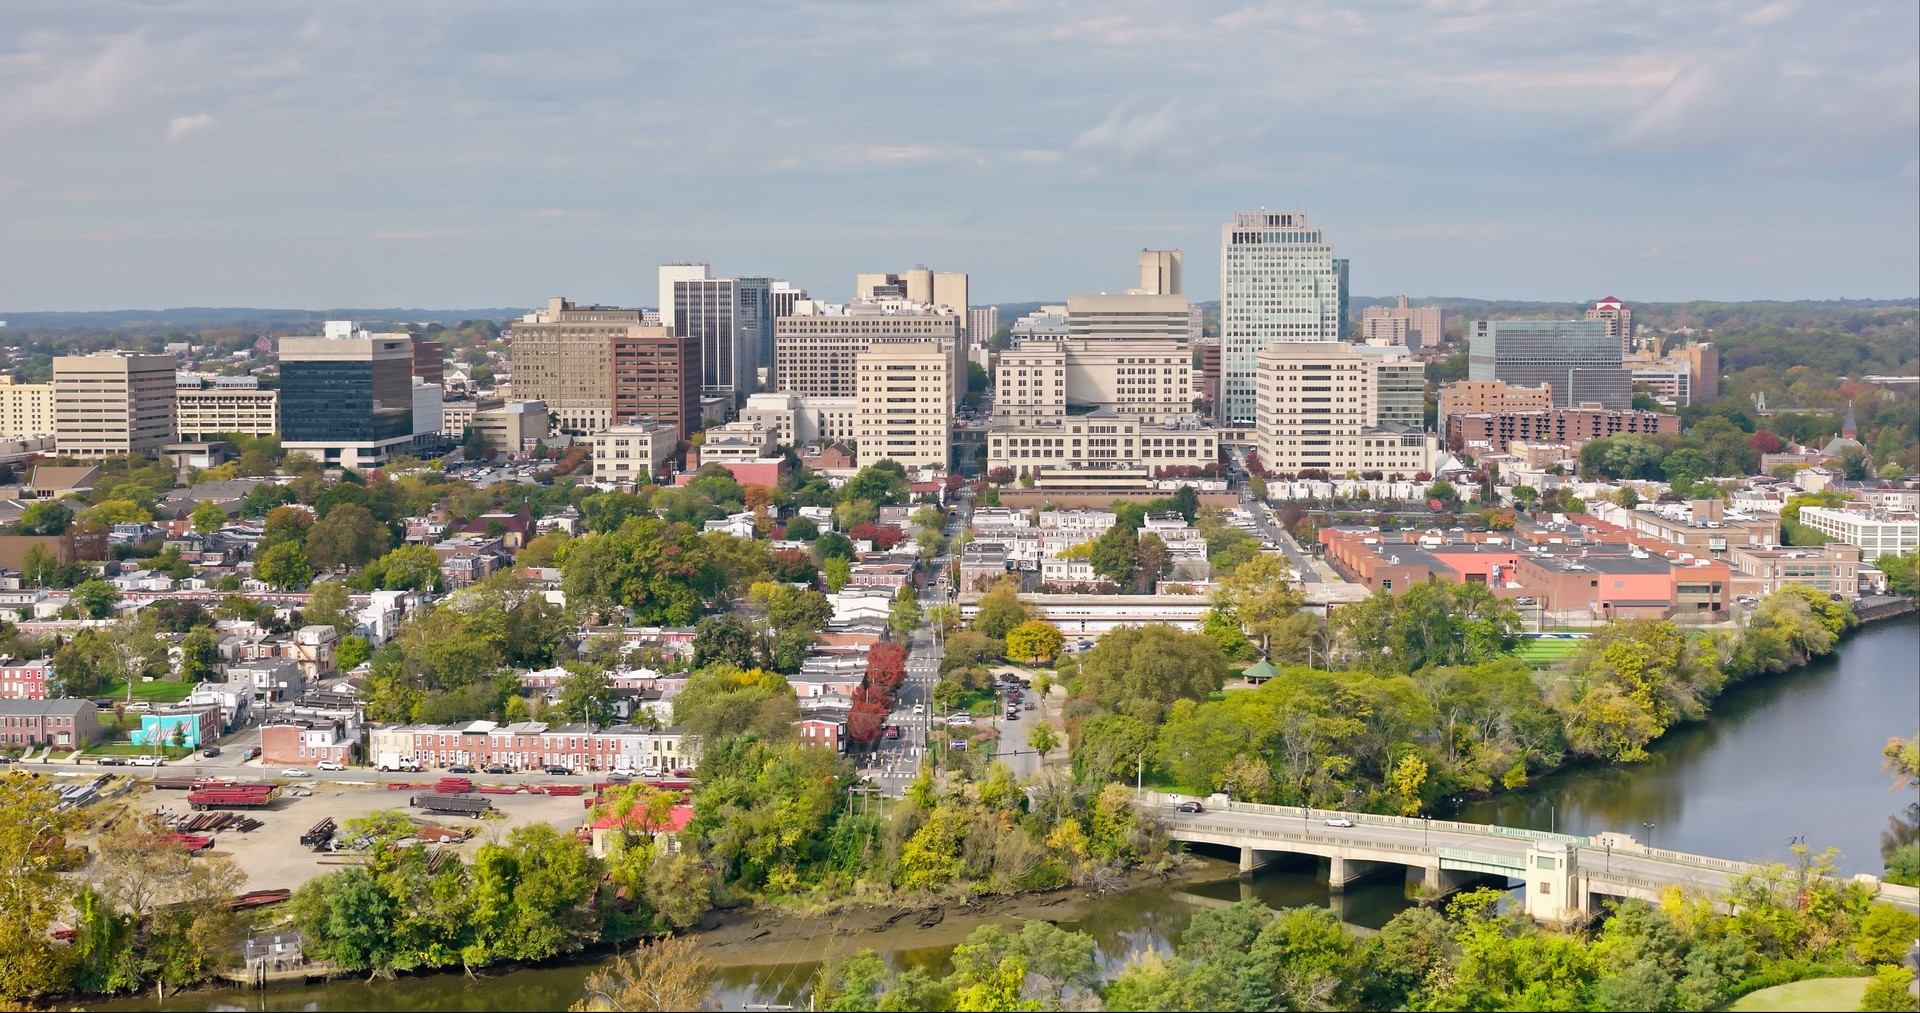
(1160, 273)
(430, 360)
(1278, 283)
(26, 409)
(1150, 380)
(725, 315)
(1324, 406)
(563, 355)
(816, 348)
(1346, 289)
(1579, 358)
(1403, 324)
(1619, 320)
(206, 407)
(347, 397)
(906, 398)
(781, 298)
(756, 324)
(982, 324)
(656, 375)
(918, 285)
(112, 403)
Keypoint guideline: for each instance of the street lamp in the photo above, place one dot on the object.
(1649, 827)
(1426, 826)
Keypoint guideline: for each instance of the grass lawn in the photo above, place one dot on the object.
(157, 691)
(1818, 994)
(129, 749)
(1542, 653)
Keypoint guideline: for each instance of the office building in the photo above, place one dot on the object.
(112, 403)
(1098, 440)
(1618, 317)
(633, 453)
(1144, 379)
(1045, 322)
(737, 442)
(512, 428)
(907, 399)
(918, 285)
(1877, 531)
(817, 348)
(800, 421)
(1469, 396)
(1129, 317)
(982, 324)
(656, 375)
(348, 396)
(1579, 359)
(1680, 377)
(724, 315)
(207, 407)
(1159, 273)
(1332, 408)
(1492, 432)
(1415, 327)
(26, 409)
(563, 356)
(430, 360)
(1278, 283)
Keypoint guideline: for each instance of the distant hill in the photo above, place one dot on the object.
(194, 318)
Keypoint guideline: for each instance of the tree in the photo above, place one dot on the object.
(904, 616)
(407, 568)
(116, 511)
(1043, 739)
(1141, 670)
(285, 524)
(1152, 561)
(1114, 554)
(47, 517)
(33, 824)
(208, 517)
(199, 653)
(587, 696)
(1001, 610)
(1034, 641)
(327, 605)
(39, 567)
(1890, 991)
(347, 536)
(1262, 596)
(283, 566)
(837, 573)
(723, 639)
(802, 529)
(95, 598)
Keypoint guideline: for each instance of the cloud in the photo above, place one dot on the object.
(1173, 136)
(411, 234)
(56, 81)
(182, 127)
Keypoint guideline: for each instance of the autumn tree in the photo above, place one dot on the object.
(659, 976)
(1141, 670)
(33, 827)
(1034, 641)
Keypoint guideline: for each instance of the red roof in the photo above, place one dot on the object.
(1609, 302)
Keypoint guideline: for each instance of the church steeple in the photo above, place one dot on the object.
(1848, 427)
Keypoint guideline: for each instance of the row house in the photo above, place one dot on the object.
(274, 680)
(465, 561)
(62, 723)
(300, 736)
(883, 571)
(530, 745)
(825, 727)
(853, 633)
(234, 699)
(25, 680)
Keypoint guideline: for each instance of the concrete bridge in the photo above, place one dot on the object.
(1565, 876)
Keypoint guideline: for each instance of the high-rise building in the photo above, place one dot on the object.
(348, 397)
(982, 324)
(563, 356)
(1278, 283)
(1160, 273)
(816, 348)
(1580, 359)
(732, 319)
(1148, 380)
(755, 296)
(1346, 289)
(207, 407)
(1619, 320)
(1334, 408)
(1403, 324)
(430, 360)
(112, 403)
(656, 375)
(26, 409)
(670, 274)
(906, 394)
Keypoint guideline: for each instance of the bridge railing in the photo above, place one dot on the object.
(1408, 822)
(1481, 857)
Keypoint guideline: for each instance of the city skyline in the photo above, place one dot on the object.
(358, 154)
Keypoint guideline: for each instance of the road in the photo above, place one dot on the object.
(1270, 528)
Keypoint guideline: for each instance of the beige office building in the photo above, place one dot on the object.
(817, 348)
(632, 453)
(982, 324)
(919, 285)
(26, 409)
(1328, 407)
(906, 395)
(1159, 273)
(1475, 397)
(511, 428)
(1128, 317)
(1145, 379)
(737, 441)
(1403, 324)
(1099, 440)
(563, 356)
(112, 403)
(202, 410)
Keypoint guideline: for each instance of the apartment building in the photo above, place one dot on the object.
(1580, 359)
(112, 403)
(1618, 317)
(1279, 282)
(1099, 439)
(632, 453)
(1145, 379)
(1877, 531)
(906, 393)
(656, 375)
(818, 347)
(1329, 407)
(1574, 427)
(205, 407)
(26, 409)
(25, 679)
(1475, 396)
(1684, 375)
(982, 324)
(1403, 324)
(61, 723)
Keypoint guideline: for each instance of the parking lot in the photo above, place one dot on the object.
(274, 858)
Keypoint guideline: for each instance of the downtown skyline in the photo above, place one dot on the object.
(480, 155)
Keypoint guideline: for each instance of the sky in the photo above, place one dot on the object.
(465, 154)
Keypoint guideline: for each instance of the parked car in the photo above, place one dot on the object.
(294, 772)
(1191, 807)
(331, 765)
(210, 751)
(1523, 600)
(1340, 821)
(558, 770)
(253, 753)
(620, 774)
(147, 761)
(497, 768)
(650, 771)
(683, 772)
(959, 719)
(460, 768)
(111, 761)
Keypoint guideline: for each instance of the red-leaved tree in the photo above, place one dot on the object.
(867, 719)
(886, 666)
(883, 538)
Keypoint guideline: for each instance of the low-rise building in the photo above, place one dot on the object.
(633, 453)
(63, 724)
(1492, 432)
(189, 724)
(1878, 532)
(1833, 568)
(301, 736)
(25, 680)
(1099, 439)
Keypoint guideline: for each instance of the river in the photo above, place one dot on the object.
(1811, 737)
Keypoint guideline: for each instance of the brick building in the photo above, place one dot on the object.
(63, 723)
(25, 680)
(1492, 431)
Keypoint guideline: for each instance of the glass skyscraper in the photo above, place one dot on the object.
(1279, 282)
(1580, 359)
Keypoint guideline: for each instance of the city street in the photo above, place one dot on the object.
(1308, 568)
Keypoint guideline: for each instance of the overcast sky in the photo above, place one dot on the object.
(380, 153)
